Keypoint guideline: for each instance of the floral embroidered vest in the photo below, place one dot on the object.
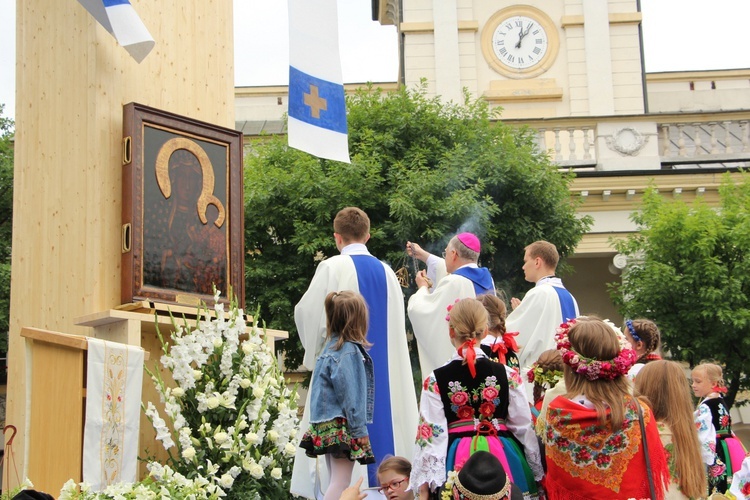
(484, 398)
(720, 416)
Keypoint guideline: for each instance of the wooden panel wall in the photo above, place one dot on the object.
(72, 80)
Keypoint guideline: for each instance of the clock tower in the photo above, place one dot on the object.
(536, 59)
(571, 69)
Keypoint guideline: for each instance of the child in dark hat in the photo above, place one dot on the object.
(483, 478)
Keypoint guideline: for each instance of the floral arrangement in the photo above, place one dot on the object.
(232, 419)
(594, 369)
(447, 492)
(162, 482)
(545, 378)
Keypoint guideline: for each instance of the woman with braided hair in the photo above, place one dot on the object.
(644, 336)
(471, 404)
(544, 374)
(498, 344)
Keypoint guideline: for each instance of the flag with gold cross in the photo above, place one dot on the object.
(317, 108)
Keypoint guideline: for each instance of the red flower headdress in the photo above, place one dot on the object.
(594, 369)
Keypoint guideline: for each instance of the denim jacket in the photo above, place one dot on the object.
(343, 386)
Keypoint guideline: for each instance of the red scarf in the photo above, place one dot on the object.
(585, 461)
(508, 343)
(466, 351)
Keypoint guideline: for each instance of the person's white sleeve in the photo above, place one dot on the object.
(435, 270)
(519, 422)
(706, 434)
(741, 481)
(431, 449)
(310, 316)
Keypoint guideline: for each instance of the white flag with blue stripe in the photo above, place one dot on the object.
(317, 108)
(122, 21)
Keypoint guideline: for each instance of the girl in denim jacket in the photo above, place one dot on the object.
(342, 392)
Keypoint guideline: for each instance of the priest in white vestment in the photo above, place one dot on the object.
(427, 310)
(544, 307)
(395, 416)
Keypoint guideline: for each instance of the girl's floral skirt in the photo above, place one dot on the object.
(332, 437)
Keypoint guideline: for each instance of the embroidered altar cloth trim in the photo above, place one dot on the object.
(113, 406)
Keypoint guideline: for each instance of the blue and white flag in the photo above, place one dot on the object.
(122, 21)
(317, 108)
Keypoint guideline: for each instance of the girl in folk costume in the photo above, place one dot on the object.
(645, 338)
(668, 392)
(712, 417)
(470, 404)
(593, 434)
(342, 393)
(498, 344)
(544, 374)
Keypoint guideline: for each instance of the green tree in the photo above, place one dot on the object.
(689, 272)
(422, 170)
(6, 222)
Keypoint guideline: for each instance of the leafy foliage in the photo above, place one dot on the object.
(6, 222)
(690, 273)
(422, 170)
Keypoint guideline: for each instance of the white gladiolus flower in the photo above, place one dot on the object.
(68, 491)
(276, 473)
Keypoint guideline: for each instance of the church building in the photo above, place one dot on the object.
(574, 71)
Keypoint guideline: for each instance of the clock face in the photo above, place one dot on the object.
(519, 42)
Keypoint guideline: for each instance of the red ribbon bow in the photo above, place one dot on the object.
(508, 343)
(466, 351)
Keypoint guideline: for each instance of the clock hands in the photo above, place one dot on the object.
(522, 34)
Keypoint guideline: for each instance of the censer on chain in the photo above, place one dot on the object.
(402, 273)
